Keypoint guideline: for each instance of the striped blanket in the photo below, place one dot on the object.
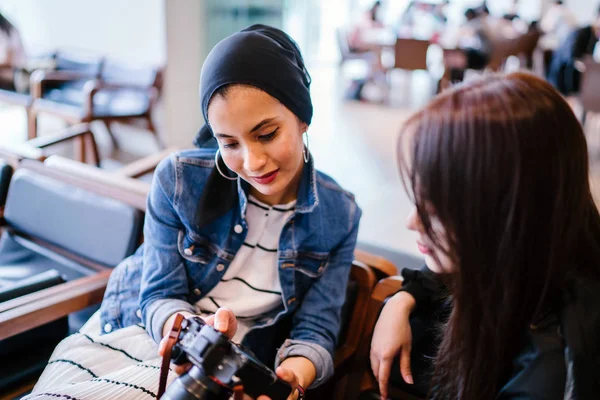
(123, 364)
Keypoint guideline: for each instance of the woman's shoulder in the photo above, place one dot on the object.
(328, 185)
(183, 167)
(539, 370)
(204, 158)
(335, 199)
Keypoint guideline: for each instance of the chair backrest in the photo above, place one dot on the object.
(120, 74)
(589, 94)
(522, 45)
(78, 62)
(5, 174)
(411, 54)
(98, 228)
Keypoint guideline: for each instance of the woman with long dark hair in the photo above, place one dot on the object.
(498, 171)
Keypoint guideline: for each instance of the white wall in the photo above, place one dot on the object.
(186, 38)
(129, 30)
(585, 10)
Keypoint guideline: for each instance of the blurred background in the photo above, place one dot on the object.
(131, 70)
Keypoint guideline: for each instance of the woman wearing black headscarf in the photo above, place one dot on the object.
(248, 230)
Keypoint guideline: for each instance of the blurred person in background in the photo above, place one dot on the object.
(564, 72)
(557, 23)
(364, 37)
(12, 53)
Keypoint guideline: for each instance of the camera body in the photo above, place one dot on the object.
(219, 365)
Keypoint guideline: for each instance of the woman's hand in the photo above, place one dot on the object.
(290, 377)
(295, 371)
(223, 320)
(392, 335)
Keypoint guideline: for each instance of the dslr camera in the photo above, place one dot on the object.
(218, 367)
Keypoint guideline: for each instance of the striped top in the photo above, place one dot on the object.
(250, 287)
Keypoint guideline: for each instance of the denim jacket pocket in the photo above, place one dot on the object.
(194, 248)
(312, 265)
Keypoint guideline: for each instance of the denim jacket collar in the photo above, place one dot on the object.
(210, 207)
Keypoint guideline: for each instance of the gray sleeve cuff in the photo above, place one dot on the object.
(317, 354)
(159, 311)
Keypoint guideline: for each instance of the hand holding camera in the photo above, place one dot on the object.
(223, 321)
(216, 368)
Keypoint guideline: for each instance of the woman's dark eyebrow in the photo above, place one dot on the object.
(257, 127)
(262, 123)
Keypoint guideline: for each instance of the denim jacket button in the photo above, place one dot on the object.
(238, 228)
(220, 267)
(188, 251)
(139, 313)
(107, 328)
(197, 292)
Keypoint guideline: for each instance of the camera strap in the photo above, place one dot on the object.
(166, 360)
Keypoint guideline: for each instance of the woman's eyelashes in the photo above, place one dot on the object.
(230, 145)
(268, 136)
(263, 138)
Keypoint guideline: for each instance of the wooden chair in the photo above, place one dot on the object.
(367, 382)
(72, 72)
(362, 281)
(411, 54)
(86, 264)
(521, 46)
(116, 94)
(362, 379)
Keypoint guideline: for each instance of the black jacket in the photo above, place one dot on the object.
(561, 357)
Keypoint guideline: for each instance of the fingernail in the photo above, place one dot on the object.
(408, 379)
(221, 326)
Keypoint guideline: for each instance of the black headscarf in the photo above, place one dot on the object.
(263, 57)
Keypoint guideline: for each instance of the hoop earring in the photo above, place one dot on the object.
(219, 168)
(305, 149)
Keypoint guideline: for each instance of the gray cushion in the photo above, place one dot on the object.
(98, 228)
(5, 175)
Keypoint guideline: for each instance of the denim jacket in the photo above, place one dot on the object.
(192, 231)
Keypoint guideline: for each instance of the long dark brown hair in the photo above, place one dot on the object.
(502, 162)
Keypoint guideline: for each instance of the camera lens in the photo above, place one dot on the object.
(195, 385)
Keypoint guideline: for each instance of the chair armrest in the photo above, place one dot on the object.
(40, 77)
(14, 153)
(365, 277)
(66, 135)
(36, 309)
(146, 164)
(382, 267)
(82, 138)
(384, 289)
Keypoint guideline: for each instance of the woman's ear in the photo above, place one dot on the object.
(303, 127)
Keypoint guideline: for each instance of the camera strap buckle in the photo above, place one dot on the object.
(166, 360)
